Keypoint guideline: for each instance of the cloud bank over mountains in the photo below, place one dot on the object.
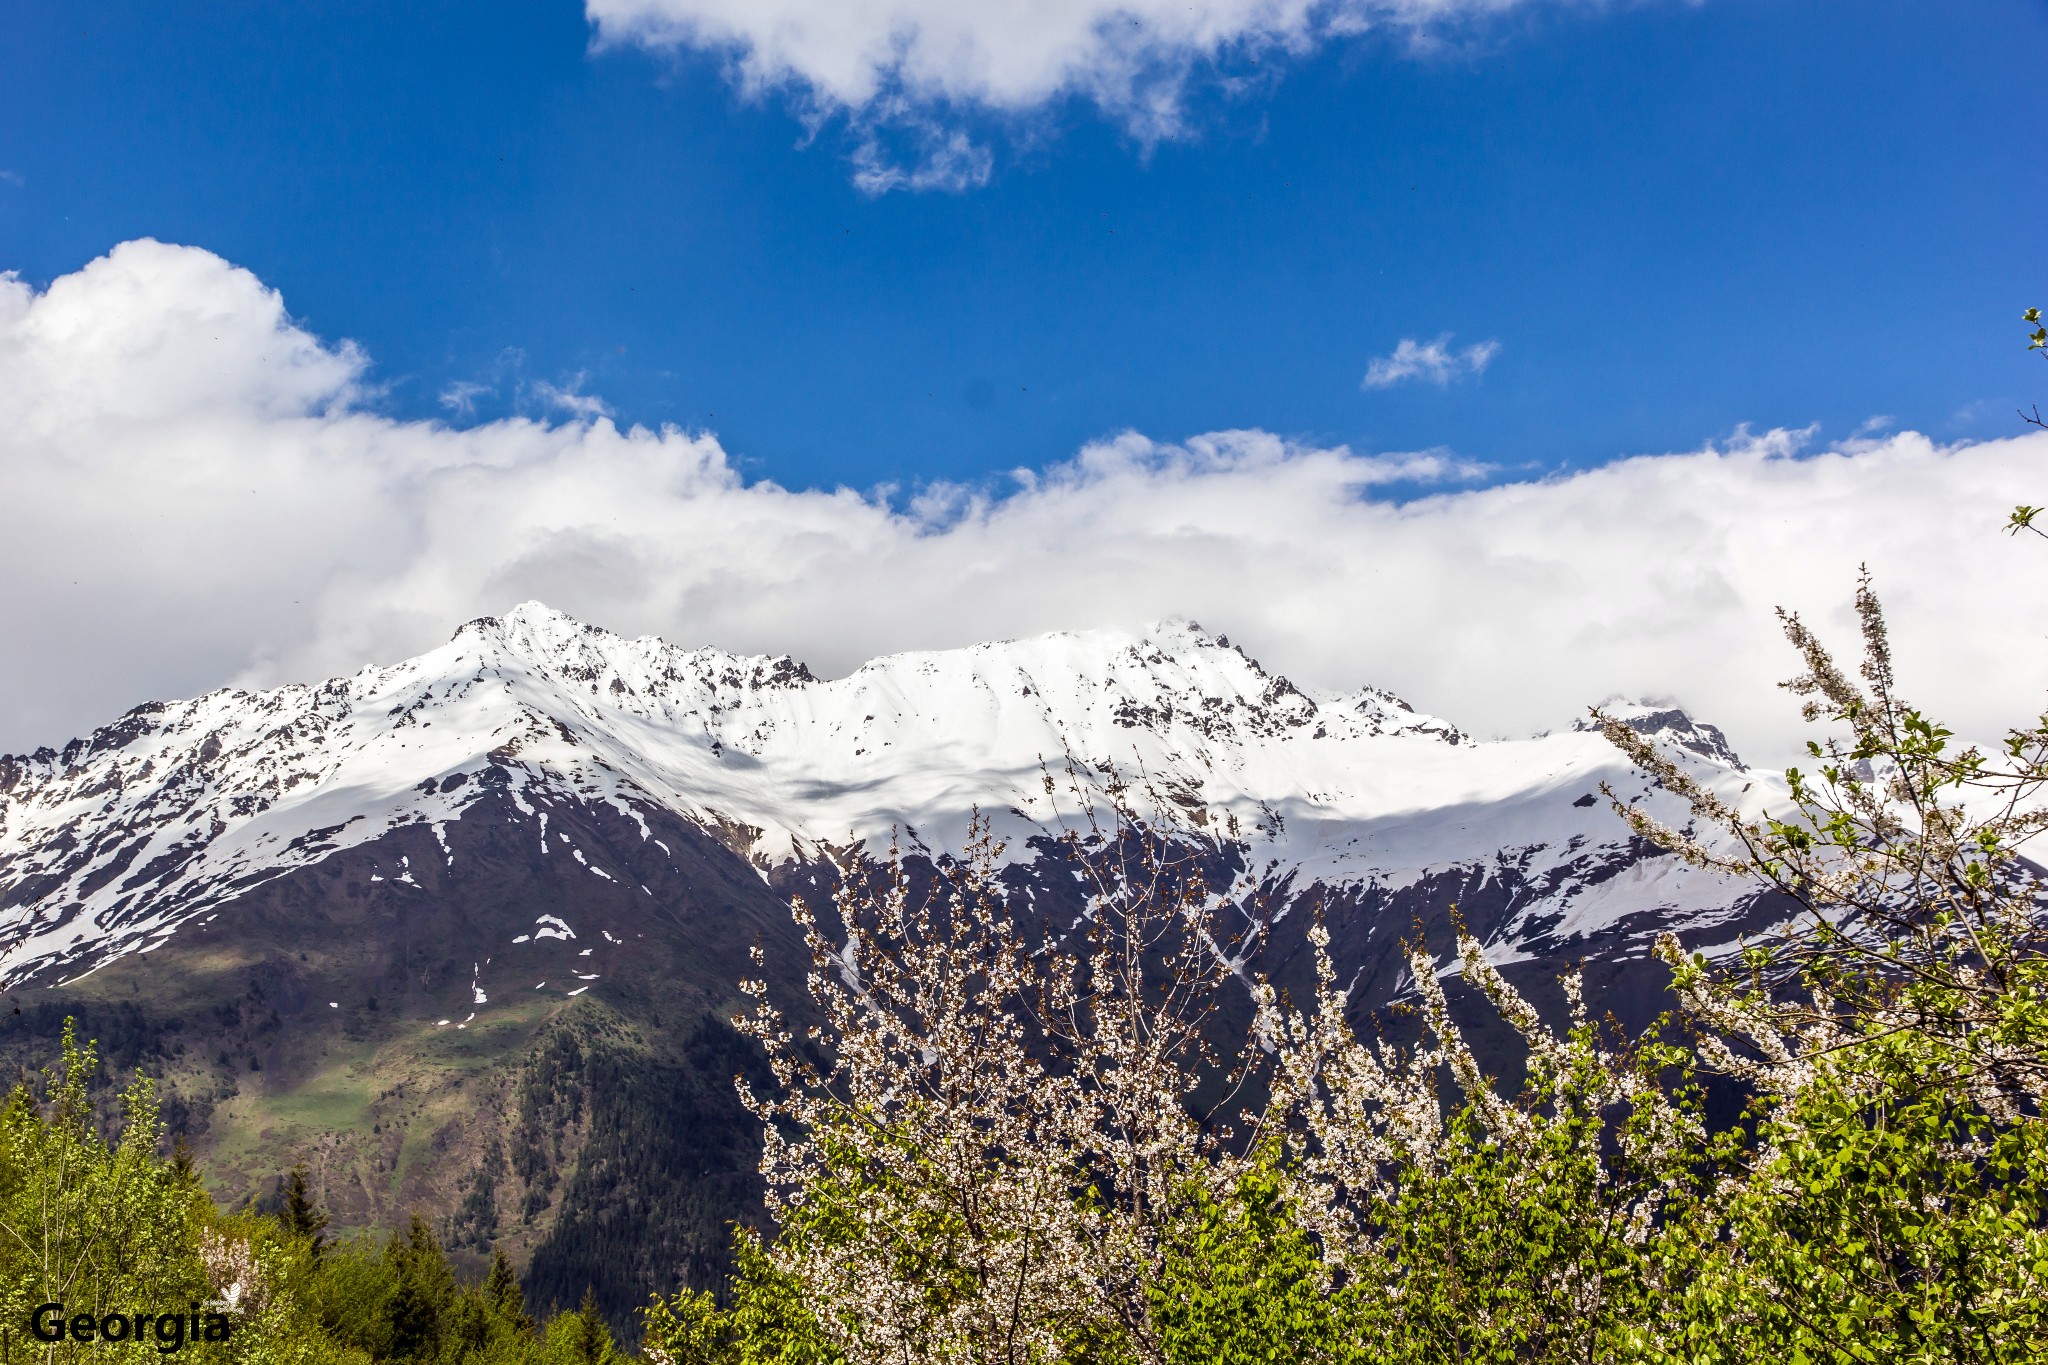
(200, 491)
(902, 72)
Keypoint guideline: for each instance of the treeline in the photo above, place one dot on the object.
(114, 1230)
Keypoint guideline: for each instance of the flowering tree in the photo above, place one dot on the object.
(991, 1149)
(1457, 1224)
(982, 1165)
(1894, 1203)
(999, 1155)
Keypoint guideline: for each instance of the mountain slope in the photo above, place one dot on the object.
(463, 933)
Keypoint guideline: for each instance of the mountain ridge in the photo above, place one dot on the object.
(110, 844)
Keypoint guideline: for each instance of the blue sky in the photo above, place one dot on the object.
(333, 324)
(1673, 218)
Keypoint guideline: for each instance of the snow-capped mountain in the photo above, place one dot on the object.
(462, 935)
(161, 819)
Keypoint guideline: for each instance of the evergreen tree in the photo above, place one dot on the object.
(593, 1337)
(503, 1294)
(300, 1215)
(423, 1294)
(182, 1164)
(581, 1337)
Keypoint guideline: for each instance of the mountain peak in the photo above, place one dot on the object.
(1671, 723)
(536, 627)
(1182, 628)
(533, 614)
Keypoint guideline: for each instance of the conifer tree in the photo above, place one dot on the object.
(593, 1338)
(425, 1286)
(503, 1294)
(183, 1166)
(581, 1337)
(301, 1216)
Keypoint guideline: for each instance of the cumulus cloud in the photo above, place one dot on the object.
(913, 67)
(1433, 362)
(198, 493)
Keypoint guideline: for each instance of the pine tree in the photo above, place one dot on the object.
(502, 1292)
(425, 1288)
(593, 1338)
(580, 1336)
(302, 1217)
(183, 1165)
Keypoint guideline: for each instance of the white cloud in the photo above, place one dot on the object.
(890, 66)
(460, 397)
(568, 398)
(194, 494)
(1433, 362)
(940, 158)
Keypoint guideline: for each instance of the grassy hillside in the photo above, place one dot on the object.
(588, 1129)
